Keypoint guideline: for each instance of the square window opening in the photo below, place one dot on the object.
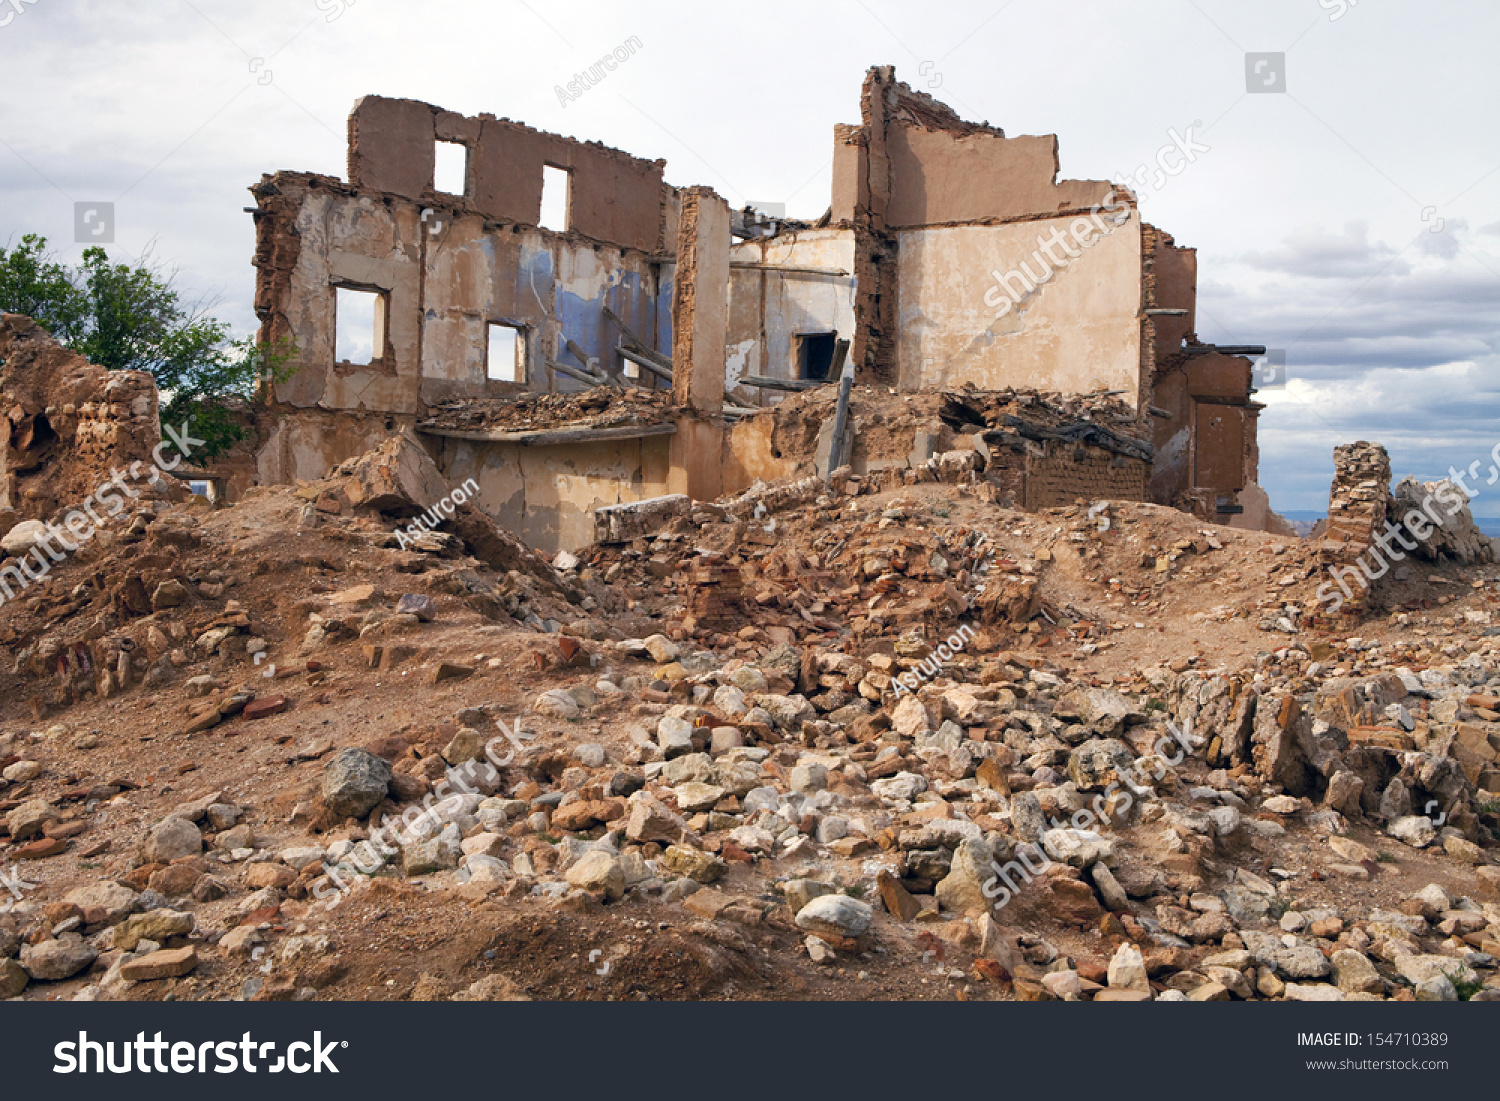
(204, 487)
(815, 355)
(451, 168)
(505, 356)
(556, 188)
(359, 325)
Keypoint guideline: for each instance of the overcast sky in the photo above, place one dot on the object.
(1350, 219)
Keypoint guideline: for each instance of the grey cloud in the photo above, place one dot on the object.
(1314, 251)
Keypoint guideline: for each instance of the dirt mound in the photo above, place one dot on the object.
(172, 585)
(811, 742)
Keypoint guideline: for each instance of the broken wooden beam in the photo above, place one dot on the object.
(551, 437)
(836, 456)
(1251, 350)
(575, 373)
(1086, 432)
(638, 345)
(840, 353)
(601, 372)
(644, 363)
(794, 384)
(785, 269)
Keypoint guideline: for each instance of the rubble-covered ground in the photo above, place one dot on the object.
(690, 773)
(601, 407)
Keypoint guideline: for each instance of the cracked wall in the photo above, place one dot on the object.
(547, 494)
(768, 310)
(447, 267)
(67, 420)
(1074, 329)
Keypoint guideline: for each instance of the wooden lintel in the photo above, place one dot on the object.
(785, 269)
(795, 384)
(552, 437)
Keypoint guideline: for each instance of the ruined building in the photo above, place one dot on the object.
(1071, 373)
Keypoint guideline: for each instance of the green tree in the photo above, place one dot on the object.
(34, 284)
(131, 317)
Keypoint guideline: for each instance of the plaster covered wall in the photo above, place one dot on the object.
(751, 454)
(449, 264)
(912, 163)
(553, 288)
(768, 309)
(547, 494)
(1078, 331)
(308, 445)
(359, 241)
(443, 289)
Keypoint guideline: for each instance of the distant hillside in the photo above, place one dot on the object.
(1304, 519)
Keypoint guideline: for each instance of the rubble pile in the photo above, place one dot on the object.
(149, 600)
(600, 407)
(1369, 523)
(819, 740)
(898, 433)
(1043, 407)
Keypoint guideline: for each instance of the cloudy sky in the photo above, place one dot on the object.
(1351, 219)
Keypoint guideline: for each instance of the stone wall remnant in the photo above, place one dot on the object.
(67, 422)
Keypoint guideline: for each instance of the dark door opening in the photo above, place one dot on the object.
(815, 355)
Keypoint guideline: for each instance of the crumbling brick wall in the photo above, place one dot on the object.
(1371, 528)
(67, 422)
(874, 347)
(1005, 469)
(613, 197)
(1063, 472)
(1357, 506)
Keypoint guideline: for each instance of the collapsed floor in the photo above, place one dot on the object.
(715, 789)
